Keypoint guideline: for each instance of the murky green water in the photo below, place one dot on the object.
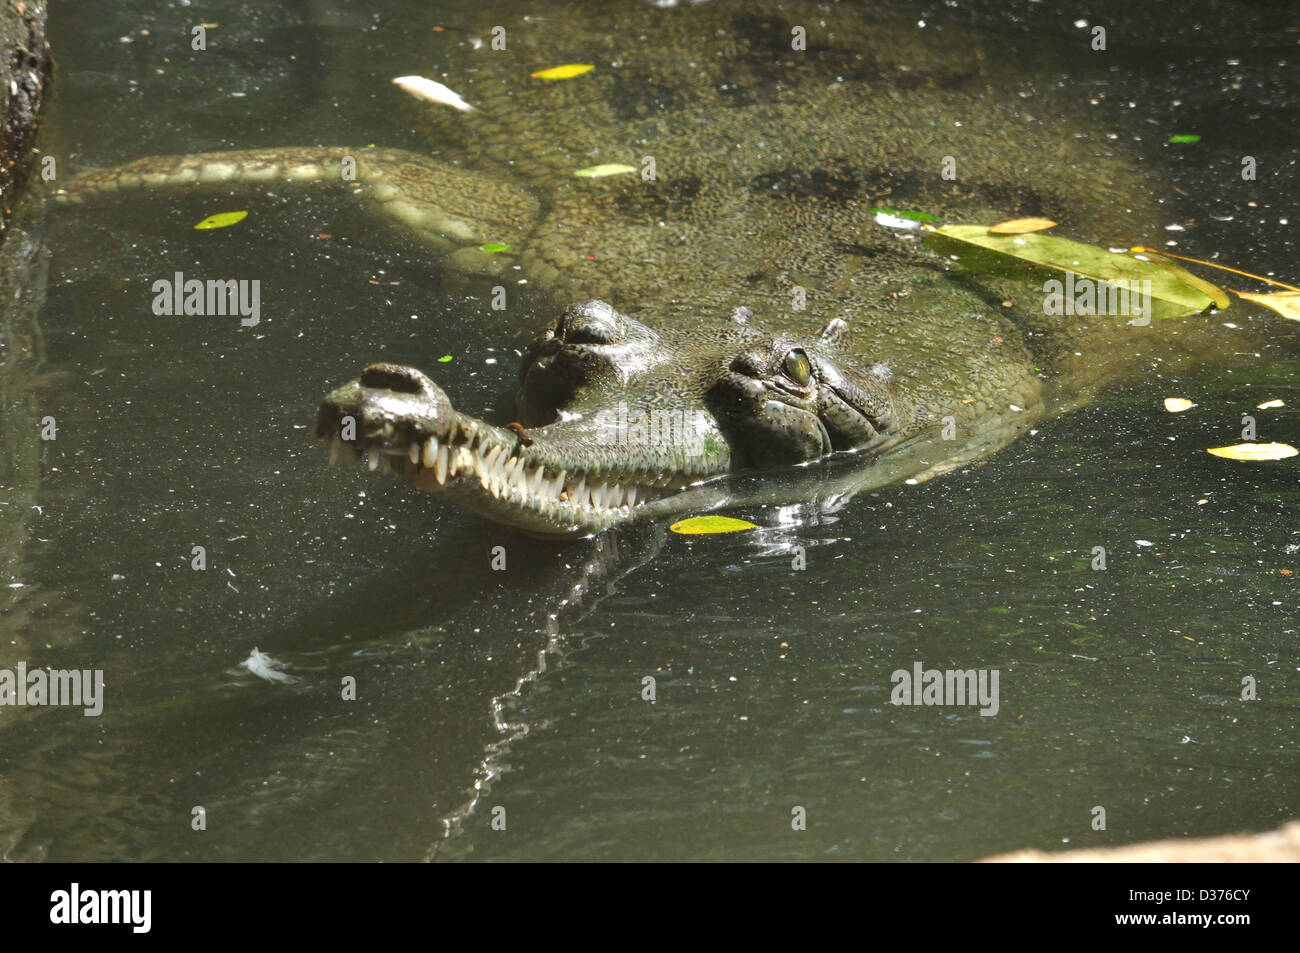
(1119, 688)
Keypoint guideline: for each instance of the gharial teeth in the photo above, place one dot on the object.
(505, 477)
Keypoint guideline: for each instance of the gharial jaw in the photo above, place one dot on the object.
(567, 479)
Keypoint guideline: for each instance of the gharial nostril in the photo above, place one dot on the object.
(592, 322)
(393, 377)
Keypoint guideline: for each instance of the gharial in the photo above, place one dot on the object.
(760, 317)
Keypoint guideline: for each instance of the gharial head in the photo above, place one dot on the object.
(618, 421)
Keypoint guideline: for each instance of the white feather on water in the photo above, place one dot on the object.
(263, 666)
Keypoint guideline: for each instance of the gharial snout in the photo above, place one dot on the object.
(389, 410)
(404, 423)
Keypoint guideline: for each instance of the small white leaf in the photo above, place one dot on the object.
(421, 87)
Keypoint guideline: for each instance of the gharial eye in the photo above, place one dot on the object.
(797, 367)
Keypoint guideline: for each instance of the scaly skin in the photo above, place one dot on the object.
(767, 165)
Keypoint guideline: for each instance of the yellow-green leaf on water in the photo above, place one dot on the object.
(1285, 303)
(1212, 291)
(1178, 291)
(1191, 137)
(444, 359)
(567, 71)
(1022, 226)
(1166, 253)
(701, 525)
(597, 171)
(1176, 405)
(493, 247)
(1255, 451)
(222, 219)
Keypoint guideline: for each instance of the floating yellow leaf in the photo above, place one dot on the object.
(222, 219)
(700, 525)
(1019, 226)
(1176, 405)
(1285, 303)
(1269, 404)
(1255, 451)
(597, 171)
(567, 71)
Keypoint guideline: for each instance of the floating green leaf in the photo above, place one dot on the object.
(1185, 138)
(1179, 291)
(914, 216)
(493, 247)
(222, 219)
(444, 359)
(597, 171)
(704, 525)
(1212, 291)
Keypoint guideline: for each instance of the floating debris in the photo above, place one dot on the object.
(263, 666)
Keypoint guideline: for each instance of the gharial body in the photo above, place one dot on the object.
(758, 317)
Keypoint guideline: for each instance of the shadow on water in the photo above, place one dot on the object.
(520, 692)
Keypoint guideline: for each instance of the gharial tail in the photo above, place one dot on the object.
(448, 207)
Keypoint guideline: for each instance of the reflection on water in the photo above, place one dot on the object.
(521, 696)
